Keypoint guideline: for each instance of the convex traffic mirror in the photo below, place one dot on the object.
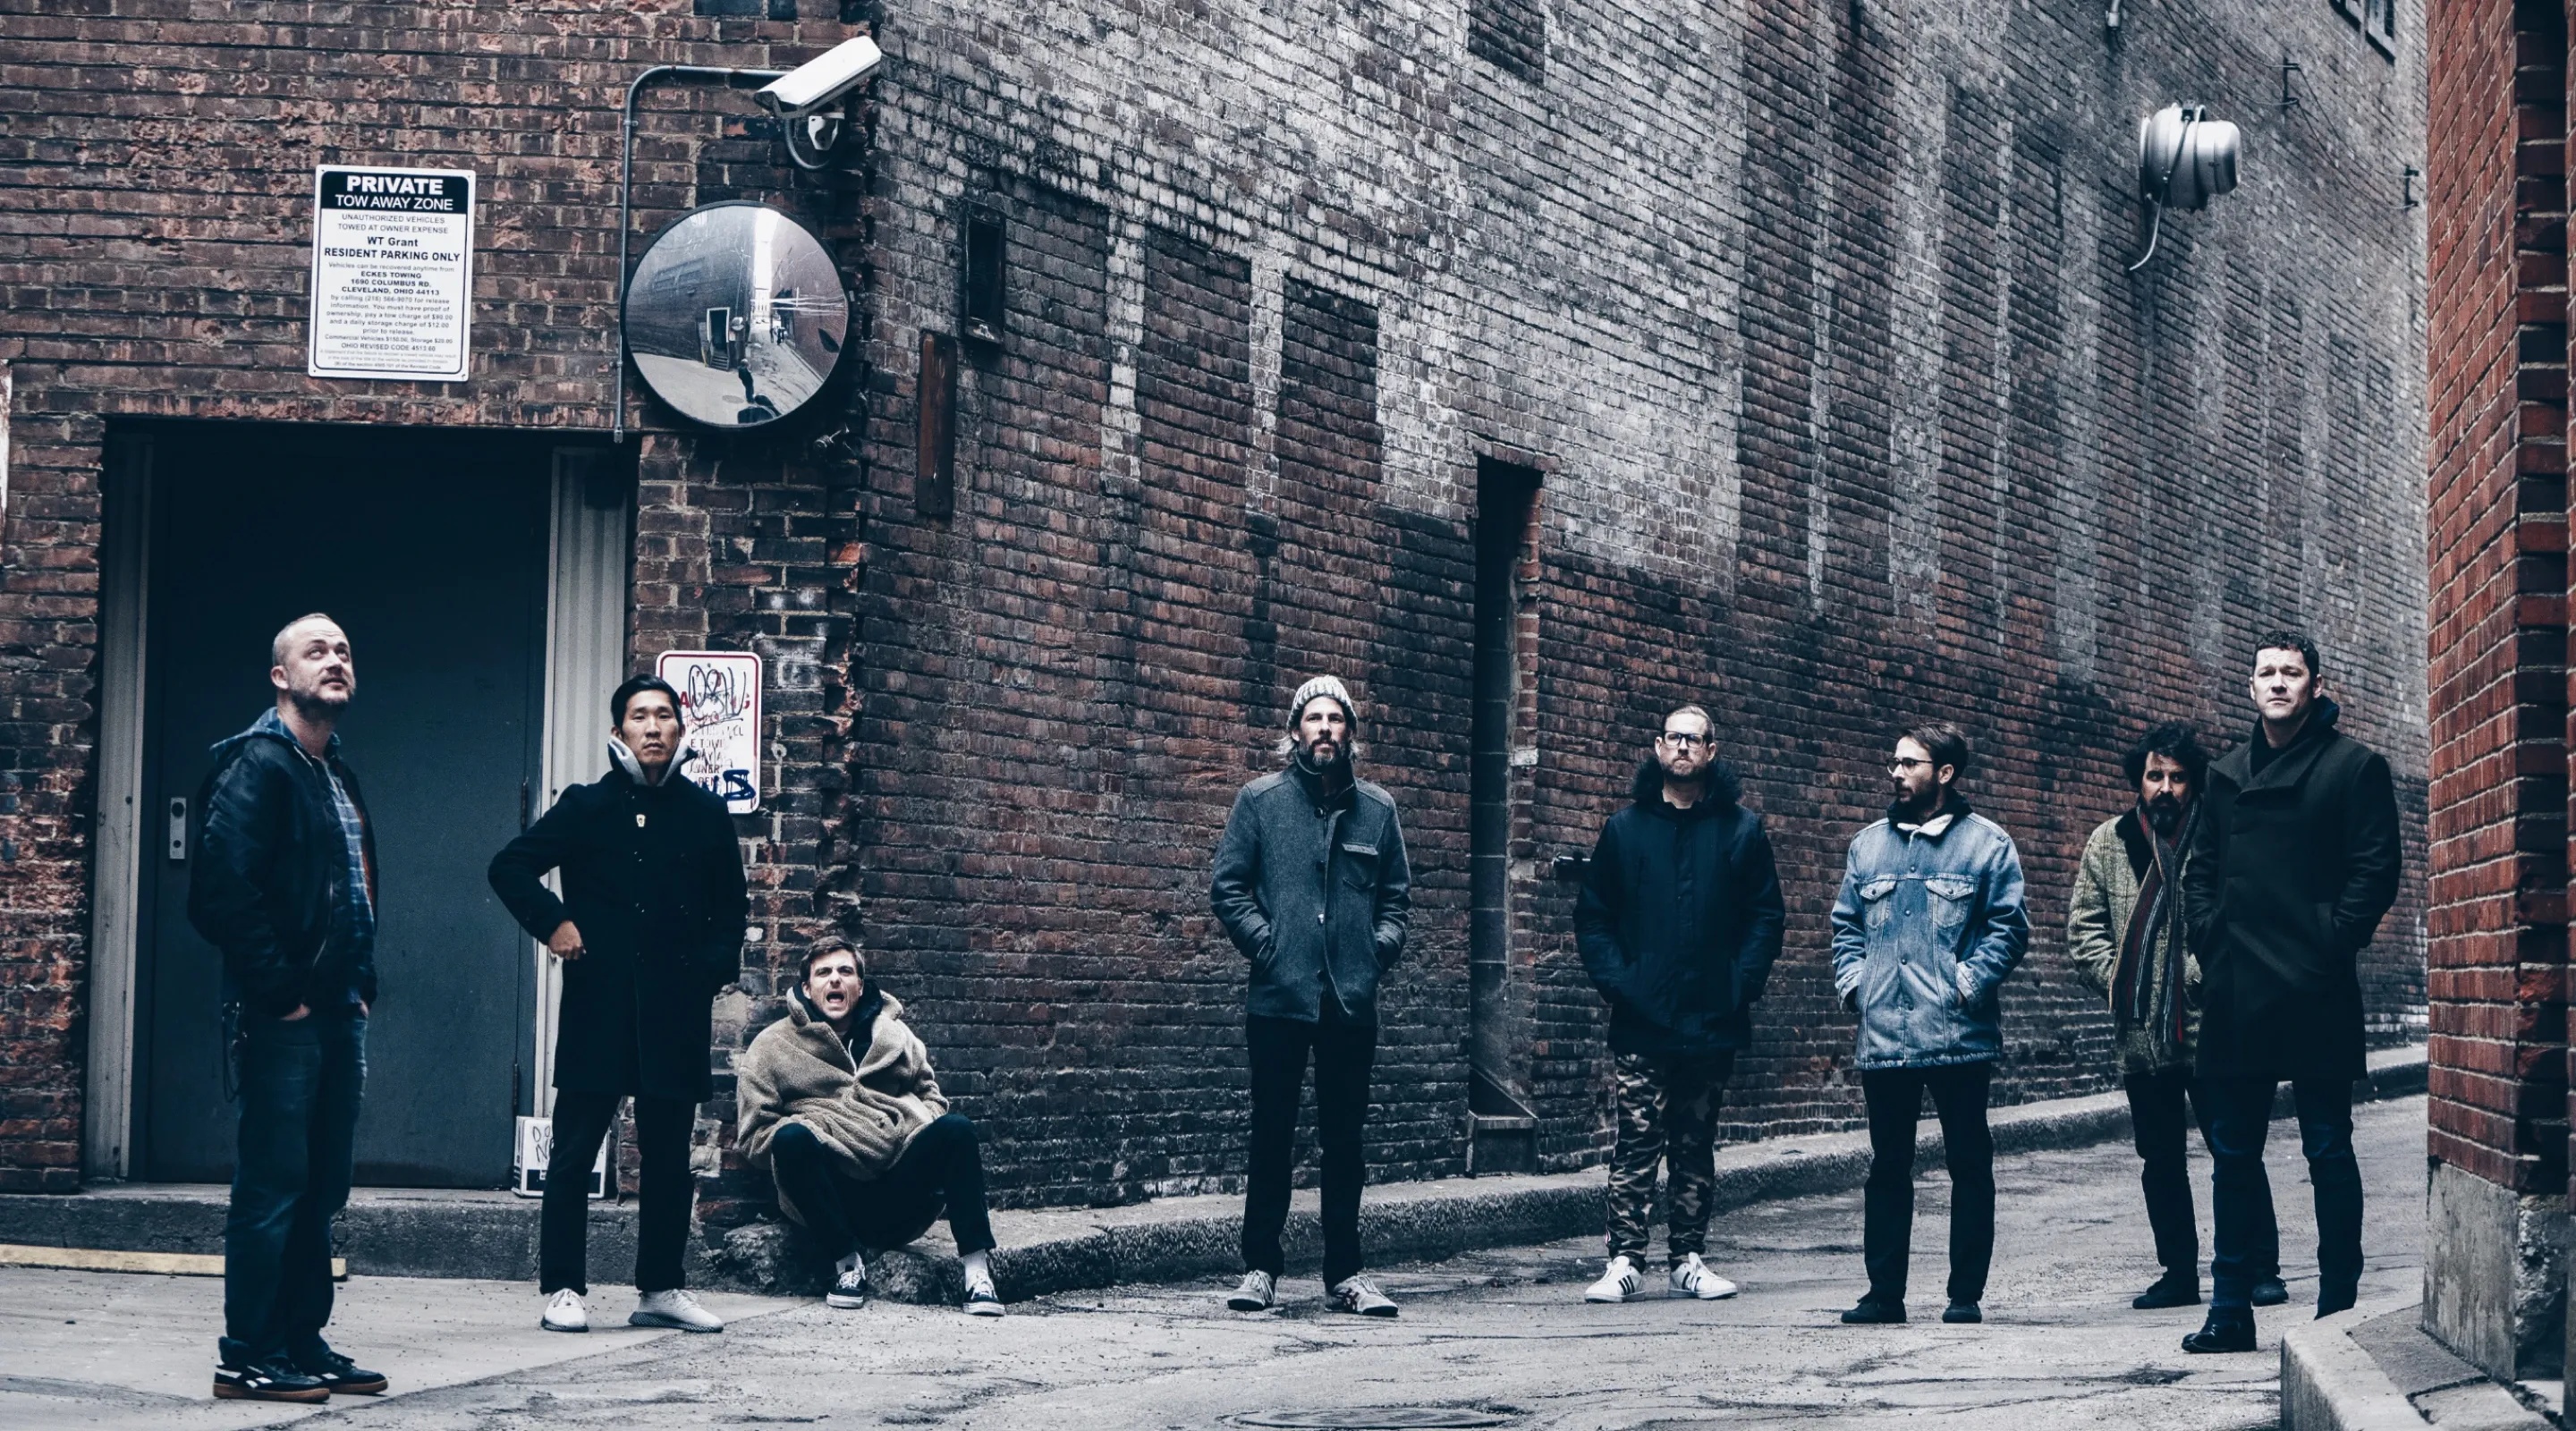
(736, 316)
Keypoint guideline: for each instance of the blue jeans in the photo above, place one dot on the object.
(300, 1083)
(2239, 1114)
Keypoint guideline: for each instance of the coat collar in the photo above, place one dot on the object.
(2290, 766)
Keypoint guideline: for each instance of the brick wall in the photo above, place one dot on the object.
(1812, 315)
(1815, 319)
(155, 175)
(2497, 529)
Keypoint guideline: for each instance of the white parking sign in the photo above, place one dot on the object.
(393, 274)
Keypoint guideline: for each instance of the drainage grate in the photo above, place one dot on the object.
(1377, 1418)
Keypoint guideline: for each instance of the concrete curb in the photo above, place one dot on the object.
(401, 1233)
(2330, 1384)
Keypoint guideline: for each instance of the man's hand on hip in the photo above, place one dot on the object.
(565, 942)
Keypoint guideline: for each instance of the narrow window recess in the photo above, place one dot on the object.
(982, 320)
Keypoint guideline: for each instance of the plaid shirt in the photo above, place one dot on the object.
(353, 923)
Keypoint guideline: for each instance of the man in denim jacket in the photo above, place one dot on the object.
(1928, 923)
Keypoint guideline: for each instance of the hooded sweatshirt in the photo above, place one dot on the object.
(1680, 918)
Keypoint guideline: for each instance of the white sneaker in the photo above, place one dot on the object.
(1691, 1279)
(1621, 1283)
(674, 1308)
(563, 1312)
(850, 1285)
(1254, 1293)
(1360, 1297)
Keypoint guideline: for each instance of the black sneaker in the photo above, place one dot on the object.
(340, 1375)
(1872, 1311)
(2222, 1334)
(1963, 1312)
(2174, 1289)
(241, 1377)
(2270, 1292)
(2331, 1300)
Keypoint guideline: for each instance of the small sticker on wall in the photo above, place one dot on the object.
(720, 705)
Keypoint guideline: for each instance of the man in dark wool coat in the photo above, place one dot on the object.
(2293, 861)
(649, 928)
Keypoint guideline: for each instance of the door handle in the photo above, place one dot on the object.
(178, 831)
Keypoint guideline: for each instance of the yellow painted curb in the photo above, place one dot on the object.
(168, 1264)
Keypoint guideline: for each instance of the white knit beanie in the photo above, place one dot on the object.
(1322, 686)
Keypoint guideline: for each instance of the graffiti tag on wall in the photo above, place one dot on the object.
(720, 703)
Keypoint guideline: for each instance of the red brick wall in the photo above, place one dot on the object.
(2496, 199)
(155, 176)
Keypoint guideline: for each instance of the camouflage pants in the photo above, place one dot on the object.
(1667, 1115)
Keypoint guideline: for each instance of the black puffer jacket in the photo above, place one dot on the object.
(652, 877)
(1680, 919)
(271, 874)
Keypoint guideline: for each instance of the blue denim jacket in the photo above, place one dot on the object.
(1929, 922)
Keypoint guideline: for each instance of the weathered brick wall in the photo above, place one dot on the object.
(1811, 314)
(155, 180)
(2497, 531)
(1814, 316)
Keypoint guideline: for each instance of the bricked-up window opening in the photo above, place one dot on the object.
(1511, 34)
(982, 320)
(1503, 1134)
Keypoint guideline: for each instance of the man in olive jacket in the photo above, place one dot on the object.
(1678, 923)
(2293, 861)
(649, 928)
(2126, 936)
(1312, 886)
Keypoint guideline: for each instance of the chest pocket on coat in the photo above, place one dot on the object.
(1951, 897)
(1359, 864)
(1878, 903)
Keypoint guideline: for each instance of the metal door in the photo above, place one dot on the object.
(430, 550)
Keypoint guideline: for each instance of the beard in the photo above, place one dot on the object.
(1314, 753)
(2165, 813)
(319, 704)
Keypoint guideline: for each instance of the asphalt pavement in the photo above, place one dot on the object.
(1500, 1338)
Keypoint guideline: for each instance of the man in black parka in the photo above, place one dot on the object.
(2294, 860)
(1678, 924)
(649, 928)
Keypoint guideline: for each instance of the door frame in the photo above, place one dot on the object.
(590, 552)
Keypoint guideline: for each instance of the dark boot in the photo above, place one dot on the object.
(2222, 1333)
(2270, 1291)
(2174, 1289)
(2331, 1300)
(1872, 1311)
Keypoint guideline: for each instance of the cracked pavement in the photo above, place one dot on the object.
(1503, 1331)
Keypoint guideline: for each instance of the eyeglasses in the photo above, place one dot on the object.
(1675, 737)
(1901, 765)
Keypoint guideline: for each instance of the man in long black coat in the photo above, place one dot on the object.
(2293, 862)
(649, 928)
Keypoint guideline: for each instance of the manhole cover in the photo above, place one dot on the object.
(1377, 1418)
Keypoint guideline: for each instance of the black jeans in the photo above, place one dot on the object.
(300, 1085)
(662, 1220)
(2239, 1111)
(1895, 1099)
(943, 1167)
(1344, 1051)
(2162, 1108)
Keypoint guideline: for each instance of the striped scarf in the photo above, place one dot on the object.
(2147, 991)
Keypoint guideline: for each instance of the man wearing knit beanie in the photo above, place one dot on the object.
(1311, 884)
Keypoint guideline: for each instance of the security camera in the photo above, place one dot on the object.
(820, 84)
(2185, 159)
(807, 99)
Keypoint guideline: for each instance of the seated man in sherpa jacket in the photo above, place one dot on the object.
(839, 1104)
